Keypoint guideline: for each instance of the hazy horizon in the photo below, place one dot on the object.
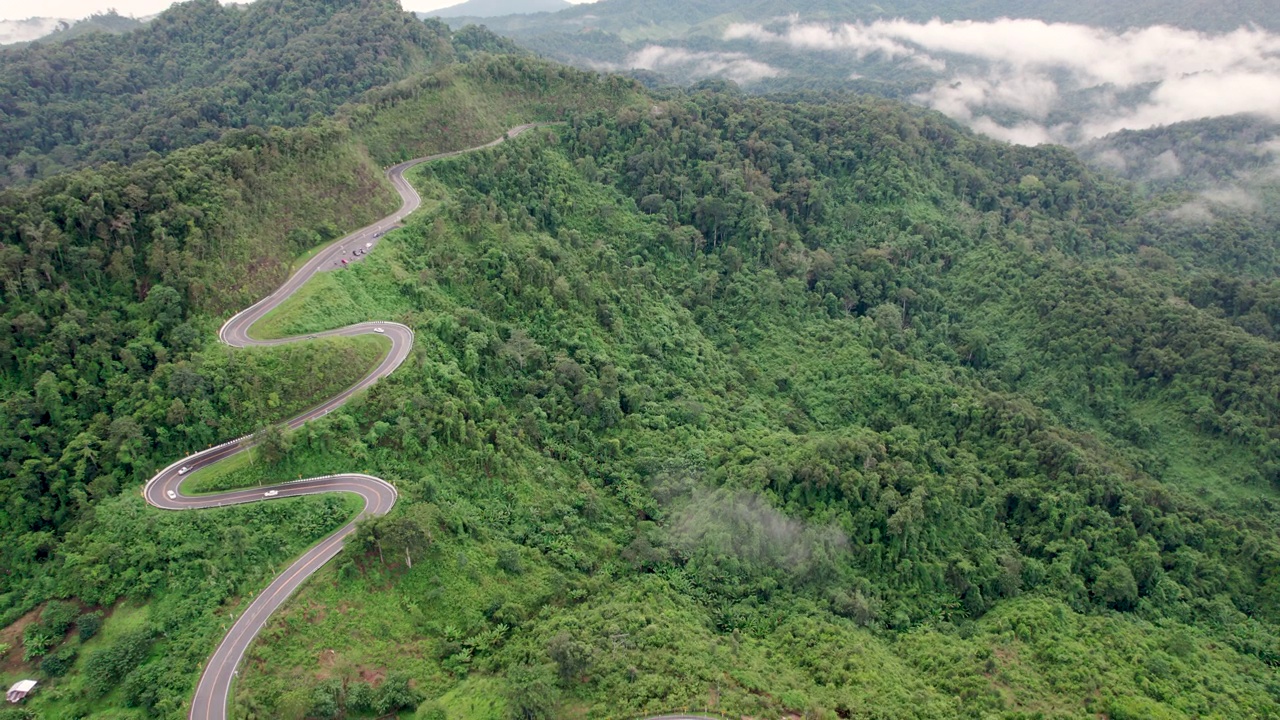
(77, 9)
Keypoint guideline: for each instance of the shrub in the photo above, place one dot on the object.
(104, 668)
(531, 692)
(361, 697)
(89, 624)
(36, 641)
(57, 664)
(58, 616)
(509, 561)
(395, 694)
(324, 700)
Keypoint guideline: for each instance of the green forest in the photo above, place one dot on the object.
(197, 70)
(778, 407)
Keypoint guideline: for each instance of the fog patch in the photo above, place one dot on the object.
(1066, 83)
(737, 67)
(722, 523)
(1208, 205)
(1195, 212)
(1027, 133)
(1165, 166)
(1032, 95)
(1111, 159)
(1235, 198)
(862, 40)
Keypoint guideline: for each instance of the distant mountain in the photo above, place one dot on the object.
(46, 30)
(653, 18)
(973, 59)
(1238, 151)
(110, 22)
(609, 33)
(193, 72)
(16, 31)
(495, 8)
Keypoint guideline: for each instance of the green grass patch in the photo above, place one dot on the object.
(1207, 465)
(476, 698)
(248, 469)
(219, 476)
(332, 299)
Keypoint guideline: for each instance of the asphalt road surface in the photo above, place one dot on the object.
(164, 491)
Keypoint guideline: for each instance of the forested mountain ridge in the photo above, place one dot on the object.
(109, 22)
(826, 408)
(661, 19)
(492, 8)
(114, 280)
(976, 61)
(195, 71)
(836, 410)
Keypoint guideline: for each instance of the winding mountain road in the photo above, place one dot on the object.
(164, 490)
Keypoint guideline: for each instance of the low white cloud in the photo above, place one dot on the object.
(1030, 94)
(862, 40)
(1026, 133)
(1210, 93)
(734, 66)
(1065, 82)
(1234, 197)
(1208, 205)
(1165, 166)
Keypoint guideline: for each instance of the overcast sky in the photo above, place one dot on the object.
(76, 9)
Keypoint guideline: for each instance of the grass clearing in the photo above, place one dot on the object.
(338, 298)
(211, 479)
(1204, 465)
(476, 698)
(246, 469)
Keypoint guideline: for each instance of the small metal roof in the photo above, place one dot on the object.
(19, 690)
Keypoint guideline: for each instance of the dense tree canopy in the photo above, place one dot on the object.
(826, 408)
(195, 71)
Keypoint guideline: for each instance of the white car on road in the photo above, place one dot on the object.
(377, 330)
(271, 493)
(184, 470)
(173, 495)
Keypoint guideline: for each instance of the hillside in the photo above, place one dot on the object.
(823, 407)
(711, 390)
(495, 8)
(133, 285)
(110, 22)
(194, 72)
(1197, 155)
(834, 409)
